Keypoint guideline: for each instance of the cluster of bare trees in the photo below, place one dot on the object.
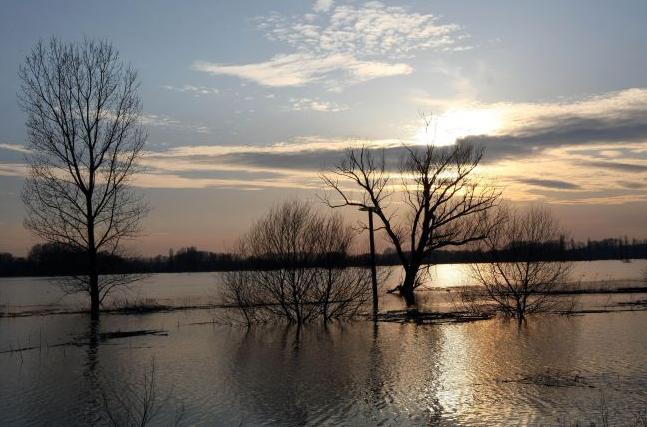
(86, 141)
(438, 200)
(305, 275)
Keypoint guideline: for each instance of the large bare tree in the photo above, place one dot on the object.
(434, 200)
(85, 139)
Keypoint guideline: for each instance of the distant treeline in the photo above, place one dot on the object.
(56, 260)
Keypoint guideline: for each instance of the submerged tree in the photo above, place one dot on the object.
(521, 280)
(301, 269)
(434, 200)
(85, 140)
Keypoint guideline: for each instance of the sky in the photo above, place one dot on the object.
(246, 102)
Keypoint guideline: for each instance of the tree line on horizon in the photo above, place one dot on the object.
(51, 259)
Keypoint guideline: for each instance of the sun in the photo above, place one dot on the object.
(446, 128)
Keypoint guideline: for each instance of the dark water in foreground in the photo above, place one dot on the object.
(553, 370)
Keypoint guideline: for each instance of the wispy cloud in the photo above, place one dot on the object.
(177, 181)
(16, 148)
(342, 45)
(322, 5)
(13, 169)
(194, 90)
(619, 166)
(299, 69)
(293, 164)
(550, 183)
(308, 104)
(282, 165)
(303, 153)
(158, 120)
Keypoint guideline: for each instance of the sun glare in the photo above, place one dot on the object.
(452, 125)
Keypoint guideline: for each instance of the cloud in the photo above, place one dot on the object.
(550, 183)
(618, 166)
(367, 30)
(13, 169)
(610, 120)
(298, 163)
(284, 165)
(169, 123)
(342, 45)
(322, 5)
(300, 154)
(308, 104)
(593, 147)
(16, 148)
(195, 90)
(177, 181)
(158, 120)
(301, 68)
(632, 184)
(293, 164)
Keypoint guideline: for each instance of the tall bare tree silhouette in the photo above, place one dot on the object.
(83, 122)
(441, 203)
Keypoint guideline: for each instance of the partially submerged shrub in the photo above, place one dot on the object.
(303, 272)
(521, 280)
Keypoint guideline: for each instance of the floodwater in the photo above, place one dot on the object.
(62, 369)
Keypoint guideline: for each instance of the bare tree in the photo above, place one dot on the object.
(83, 115)
(520, 280)
(300, 270)
(434, 200)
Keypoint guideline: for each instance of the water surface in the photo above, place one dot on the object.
(552, 370)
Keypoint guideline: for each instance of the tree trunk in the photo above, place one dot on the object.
(326, 299)
(93, 346)
(373, 268)
(407, 288)
(93, 277)
(93, 270)
(520, 310)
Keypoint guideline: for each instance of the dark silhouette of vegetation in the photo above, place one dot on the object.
(441, 202)
(312, 282)
(524, 283)
(85, 141)
(56, 260)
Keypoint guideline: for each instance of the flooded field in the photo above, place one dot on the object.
(59, 369)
